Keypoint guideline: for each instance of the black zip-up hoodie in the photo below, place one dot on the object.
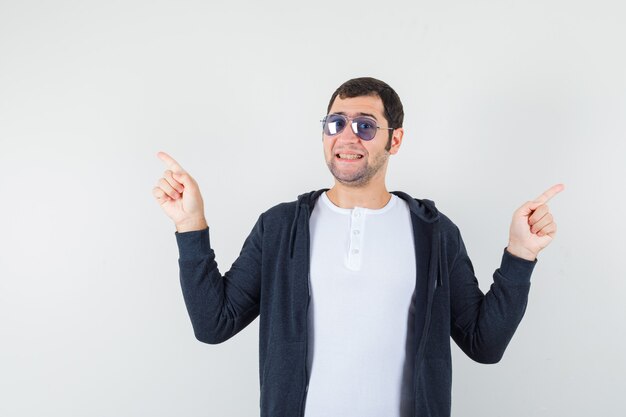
(270, 279)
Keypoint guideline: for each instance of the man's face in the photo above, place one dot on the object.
(351, 160)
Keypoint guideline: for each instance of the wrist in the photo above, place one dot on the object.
(191, 225)
(521, 252)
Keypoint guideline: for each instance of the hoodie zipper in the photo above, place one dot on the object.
(435, 283)
(423, 345)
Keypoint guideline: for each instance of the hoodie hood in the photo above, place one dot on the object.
(306, 201)
(424, 209)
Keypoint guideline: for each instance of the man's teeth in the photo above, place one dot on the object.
(350, 156)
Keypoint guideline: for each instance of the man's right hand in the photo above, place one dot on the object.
(179, 196)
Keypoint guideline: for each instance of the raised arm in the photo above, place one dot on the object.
(218, 306)
(483, 324)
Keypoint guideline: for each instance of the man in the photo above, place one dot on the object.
(358, 290)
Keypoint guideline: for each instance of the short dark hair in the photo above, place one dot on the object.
(367, 86)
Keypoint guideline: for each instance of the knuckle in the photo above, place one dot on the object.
(158, 193)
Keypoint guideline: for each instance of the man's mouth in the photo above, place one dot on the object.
(348, 156)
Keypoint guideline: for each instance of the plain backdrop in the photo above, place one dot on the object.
(502, 100)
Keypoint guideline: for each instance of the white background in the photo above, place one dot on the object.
(502, 100)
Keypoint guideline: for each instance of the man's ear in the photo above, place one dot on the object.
(396, 140)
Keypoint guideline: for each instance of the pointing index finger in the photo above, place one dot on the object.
(170, 162)
(549, 193)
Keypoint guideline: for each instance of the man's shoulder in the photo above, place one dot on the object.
(281, 210)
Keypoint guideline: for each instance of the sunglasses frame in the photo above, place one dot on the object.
(353, 124)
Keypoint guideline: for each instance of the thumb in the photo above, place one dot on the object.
(526, 208)
(183, 178)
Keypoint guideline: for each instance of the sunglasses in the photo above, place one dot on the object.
(362, 126)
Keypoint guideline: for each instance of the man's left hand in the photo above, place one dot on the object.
(533, 227)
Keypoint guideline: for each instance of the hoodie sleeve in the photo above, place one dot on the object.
(483, 324)
(219, 306)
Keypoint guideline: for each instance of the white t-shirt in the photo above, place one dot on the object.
(362, 283)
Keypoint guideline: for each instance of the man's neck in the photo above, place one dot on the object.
(371, 196)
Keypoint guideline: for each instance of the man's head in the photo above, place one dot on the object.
(367, 86)
(352, 159)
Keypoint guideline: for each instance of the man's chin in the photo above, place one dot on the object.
(359, 180)
(352, 184)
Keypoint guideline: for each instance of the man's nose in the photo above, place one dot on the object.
(347, 135)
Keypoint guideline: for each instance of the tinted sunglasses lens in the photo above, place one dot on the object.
(365, 128)
(334, 124)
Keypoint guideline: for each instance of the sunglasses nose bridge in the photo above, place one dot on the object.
(348, 134)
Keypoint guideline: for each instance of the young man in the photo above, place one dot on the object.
(358, 290)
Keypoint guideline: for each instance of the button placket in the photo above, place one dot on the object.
(356, 233)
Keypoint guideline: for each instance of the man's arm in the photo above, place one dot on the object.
(219, 306)
(483, 324)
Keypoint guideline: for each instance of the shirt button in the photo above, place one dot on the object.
(355, 232)
(355, 251)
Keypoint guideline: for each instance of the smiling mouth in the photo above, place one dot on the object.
(348, 156)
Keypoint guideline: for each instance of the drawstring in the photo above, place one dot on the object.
(292, 233)
(437, 240)
(440, 272)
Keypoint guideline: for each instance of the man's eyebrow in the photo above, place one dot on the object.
(358, 114)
